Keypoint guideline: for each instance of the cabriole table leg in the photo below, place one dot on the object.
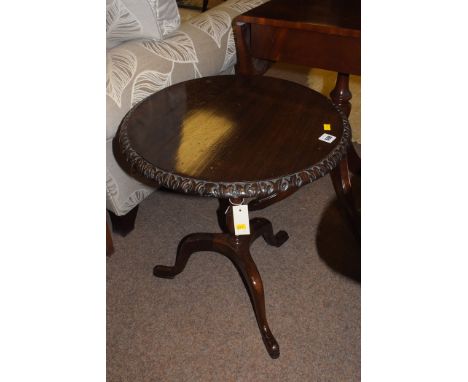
(236, 248)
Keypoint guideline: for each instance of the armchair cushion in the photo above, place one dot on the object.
(132, 19)
(202, 46)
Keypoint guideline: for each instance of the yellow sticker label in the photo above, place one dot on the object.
(326, 126)
(241, 226)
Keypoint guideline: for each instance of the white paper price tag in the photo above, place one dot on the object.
(241, 219)
(327, 138)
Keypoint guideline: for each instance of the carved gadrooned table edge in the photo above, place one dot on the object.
(225, 190)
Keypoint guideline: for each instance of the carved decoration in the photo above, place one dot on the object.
(258, 188)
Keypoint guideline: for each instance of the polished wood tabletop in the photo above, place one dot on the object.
(234, 129)
(341, 17)
(317, 33)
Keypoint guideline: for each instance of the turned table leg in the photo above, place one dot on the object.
(236, 248)
(341, 95)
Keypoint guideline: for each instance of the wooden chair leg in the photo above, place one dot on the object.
(109, 243)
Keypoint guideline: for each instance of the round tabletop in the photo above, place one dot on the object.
(233, 136)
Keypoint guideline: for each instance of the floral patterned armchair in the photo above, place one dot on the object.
(202, 46)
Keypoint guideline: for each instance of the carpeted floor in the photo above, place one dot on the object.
(200, 326)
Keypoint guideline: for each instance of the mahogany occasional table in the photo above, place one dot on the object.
(235, 138)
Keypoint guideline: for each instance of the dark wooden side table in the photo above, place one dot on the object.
(226, 137)
(322, 34)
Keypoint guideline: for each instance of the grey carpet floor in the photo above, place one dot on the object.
(200, 326)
